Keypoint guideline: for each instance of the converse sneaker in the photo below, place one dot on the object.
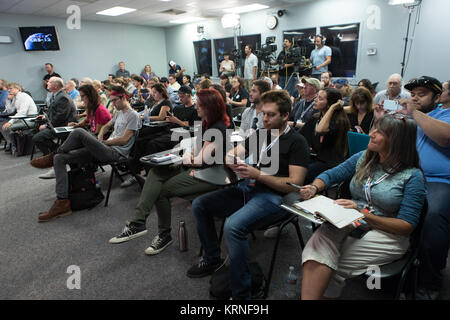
(131, 180)
(129, 232)
(159, 243)
(49, 175)
(204, 268)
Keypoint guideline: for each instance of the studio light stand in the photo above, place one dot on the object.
(411, 9)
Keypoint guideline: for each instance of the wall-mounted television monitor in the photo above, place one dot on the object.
(39, 38)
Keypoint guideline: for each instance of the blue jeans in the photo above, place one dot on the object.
(247, 209)
(290, 87)
(436, 236)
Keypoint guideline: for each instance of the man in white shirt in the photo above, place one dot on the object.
(173, 83)
(394, 90)
(18, 102)
(250, 67)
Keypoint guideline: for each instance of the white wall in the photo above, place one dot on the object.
(93, 51)
(428, 56)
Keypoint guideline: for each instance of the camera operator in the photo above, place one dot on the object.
(286, 68)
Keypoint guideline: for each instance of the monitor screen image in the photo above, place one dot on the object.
(39, 38)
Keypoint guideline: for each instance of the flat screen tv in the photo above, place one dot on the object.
(39, 38)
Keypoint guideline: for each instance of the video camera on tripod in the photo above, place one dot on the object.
(267, 50)
(296, 56)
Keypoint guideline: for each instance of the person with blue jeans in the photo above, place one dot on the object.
(430, 107)
(282, 156)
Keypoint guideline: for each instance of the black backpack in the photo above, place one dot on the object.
(220, 283)
(83, 192)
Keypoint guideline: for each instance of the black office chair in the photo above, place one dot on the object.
(406, 268)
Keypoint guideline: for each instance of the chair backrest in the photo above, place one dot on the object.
(357, 142)
(416, 237)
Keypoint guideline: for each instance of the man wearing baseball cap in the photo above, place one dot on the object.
(433, 145)
(304, 109)
(177, 71)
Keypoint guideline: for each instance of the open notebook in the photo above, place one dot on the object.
(327, 209)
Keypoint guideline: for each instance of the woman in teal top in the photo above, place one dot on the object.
(388, 181)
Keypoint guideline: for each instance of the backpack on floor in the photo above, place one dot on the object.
(23, 142)
(83, 191)
(220, 282)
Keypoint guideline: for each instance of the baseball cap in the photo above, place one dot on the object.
(313, 81)
(172, 63)
(340, 82)
(428, 82)
(300, 84)
(185, 90)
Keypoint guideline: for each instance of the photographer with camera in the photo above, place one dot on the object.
(286, 63)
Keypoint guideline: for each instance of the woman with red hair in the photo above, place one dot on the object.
(165, 182)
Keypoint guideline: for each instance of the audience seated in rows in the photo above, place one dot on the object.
(238, 94)
(81, 147)
(394, 90)
(304, 109)
(360, 111)
(147, 73)
(252, 118)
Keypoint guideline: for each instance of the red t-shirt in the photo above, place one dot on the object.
(101, 116)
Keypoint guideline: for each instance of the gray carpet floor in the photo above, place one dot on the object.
(35, 257)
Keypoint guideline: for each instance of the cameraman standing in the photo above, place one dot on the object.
(286, 69)
(250, 67)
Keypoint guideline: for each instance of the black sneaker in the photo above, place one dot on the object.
(129, 232)
(204, 268)
(159, 243)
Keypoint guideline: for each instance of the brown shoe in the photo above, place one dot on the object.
(60, 208)
(43, 162)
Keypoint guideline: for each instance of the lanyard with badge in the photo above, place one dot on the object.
(264, 150)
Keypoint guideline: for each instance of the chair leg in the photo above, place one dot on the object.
(109, 187)
(32, 152)
(272, 263)
(299, 233)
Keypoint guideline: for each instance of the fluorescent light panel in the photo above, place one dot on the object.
(186, 20)
(352, 26)
(116, 11)
(248, 8)
(396, 2)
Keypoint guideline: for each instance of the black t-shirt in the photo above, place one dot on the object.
(156, 109)
(220, 127)
(328, 151)
(228, 87)
(54, 74)
(240, 95)
(293, 151)
(366, 122)
(281, 61)
(186, 113)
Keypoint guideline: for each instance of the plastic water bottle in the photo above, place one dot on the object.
(182, 237)
(291, 284)
(146, 117)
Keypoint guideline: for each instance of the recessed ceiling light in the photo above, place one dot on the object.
(396, 2)
(186, 20)
(352, 26)
(248, 8)
(116, 11)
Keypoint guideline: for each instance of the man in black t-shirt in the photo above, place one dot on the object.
(183, 116)
(254, 202)
(50, 73)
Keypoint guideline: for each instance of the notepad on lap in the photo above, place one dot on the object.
(332, 212)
